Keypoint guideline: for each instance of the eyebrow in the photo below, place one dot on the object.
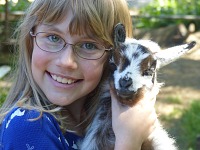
(47, 27)
(51, 27)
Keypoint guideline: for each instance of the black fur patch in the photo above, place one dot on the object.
(135, 55)
(143, 49)
(126, 62)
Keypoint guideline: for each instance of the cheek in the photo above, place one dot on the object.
(37, 58)
(93, 71)
(38, 64)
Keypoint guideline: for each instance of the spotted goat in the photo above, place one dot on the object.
(134, 64)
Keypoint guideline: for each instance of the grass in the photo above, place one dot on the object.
(184, 125)
(173, 100)
(190, 124)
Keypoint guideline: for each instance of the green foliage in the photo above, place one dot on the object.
(168, 7)
(172, 7)
(20, 6)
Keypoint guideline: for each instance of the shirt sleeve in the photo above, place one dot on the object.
(18, 132)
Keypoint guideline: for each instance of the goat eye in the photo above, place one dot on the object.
(147, 72)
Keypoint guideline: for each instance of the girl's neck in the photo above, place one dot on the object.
(75, 114)
(76, 109)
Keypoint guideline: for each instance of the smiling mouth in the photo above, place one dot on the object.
(63, 80)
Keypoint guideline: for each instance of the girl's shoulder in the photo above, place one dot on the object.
(21, 118)
(31, 129)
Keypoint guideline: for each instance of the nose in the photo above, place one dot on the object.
(125, 82)
(67, 57)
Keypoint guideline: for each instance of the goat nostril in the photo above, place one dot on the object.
(125, 83)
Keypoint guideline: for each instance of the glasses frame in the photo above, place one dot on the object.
(73, 47)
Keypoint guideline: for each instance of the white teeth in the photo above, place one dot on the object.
(62, 80)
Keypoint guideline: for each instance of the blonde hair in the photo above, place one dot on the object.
(96, 17)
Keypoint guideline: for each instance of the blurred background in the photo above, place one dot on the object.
(167, 22)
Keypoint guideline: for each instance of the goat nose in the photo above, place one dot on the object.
(125, 83)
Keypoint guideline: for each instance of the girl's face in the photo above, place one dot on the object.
(63, 76)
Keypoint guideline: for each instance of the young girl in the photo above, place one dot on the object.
(64, 47)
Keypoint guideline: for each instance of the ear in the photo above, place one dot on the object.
(169, 55)
(119, 34)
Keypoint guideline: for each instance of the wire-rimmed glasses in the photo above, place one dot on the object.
(53, 43)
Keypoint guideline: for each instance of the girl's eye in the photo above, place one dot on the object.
(89, 46)
(54, 38)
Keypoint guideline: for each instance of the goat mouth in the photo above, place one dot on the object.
(125, 94)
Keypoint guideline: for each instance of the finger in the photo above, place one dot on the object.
(154, 101)
(116, 105)
(114, 102)
(150, 96)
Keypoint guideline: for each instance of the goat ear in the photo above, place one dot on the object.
(169, 55)
(119, 34)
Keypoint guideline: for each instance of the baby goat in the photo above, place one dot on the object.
(134, 64)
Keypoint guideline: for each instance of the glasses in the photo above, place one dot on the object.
(53, 43)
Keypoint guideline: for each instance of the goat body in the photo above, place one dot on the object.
(134, 65)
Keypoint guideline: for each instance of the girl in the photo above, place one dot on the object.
(63, 62)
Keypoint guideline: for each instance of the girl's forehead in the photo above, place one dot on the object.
(58, 28)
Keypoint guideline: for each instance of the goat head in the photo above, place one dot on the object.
(134, 64)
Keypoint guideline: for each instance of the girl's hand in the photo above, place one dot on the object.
(133, 125)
